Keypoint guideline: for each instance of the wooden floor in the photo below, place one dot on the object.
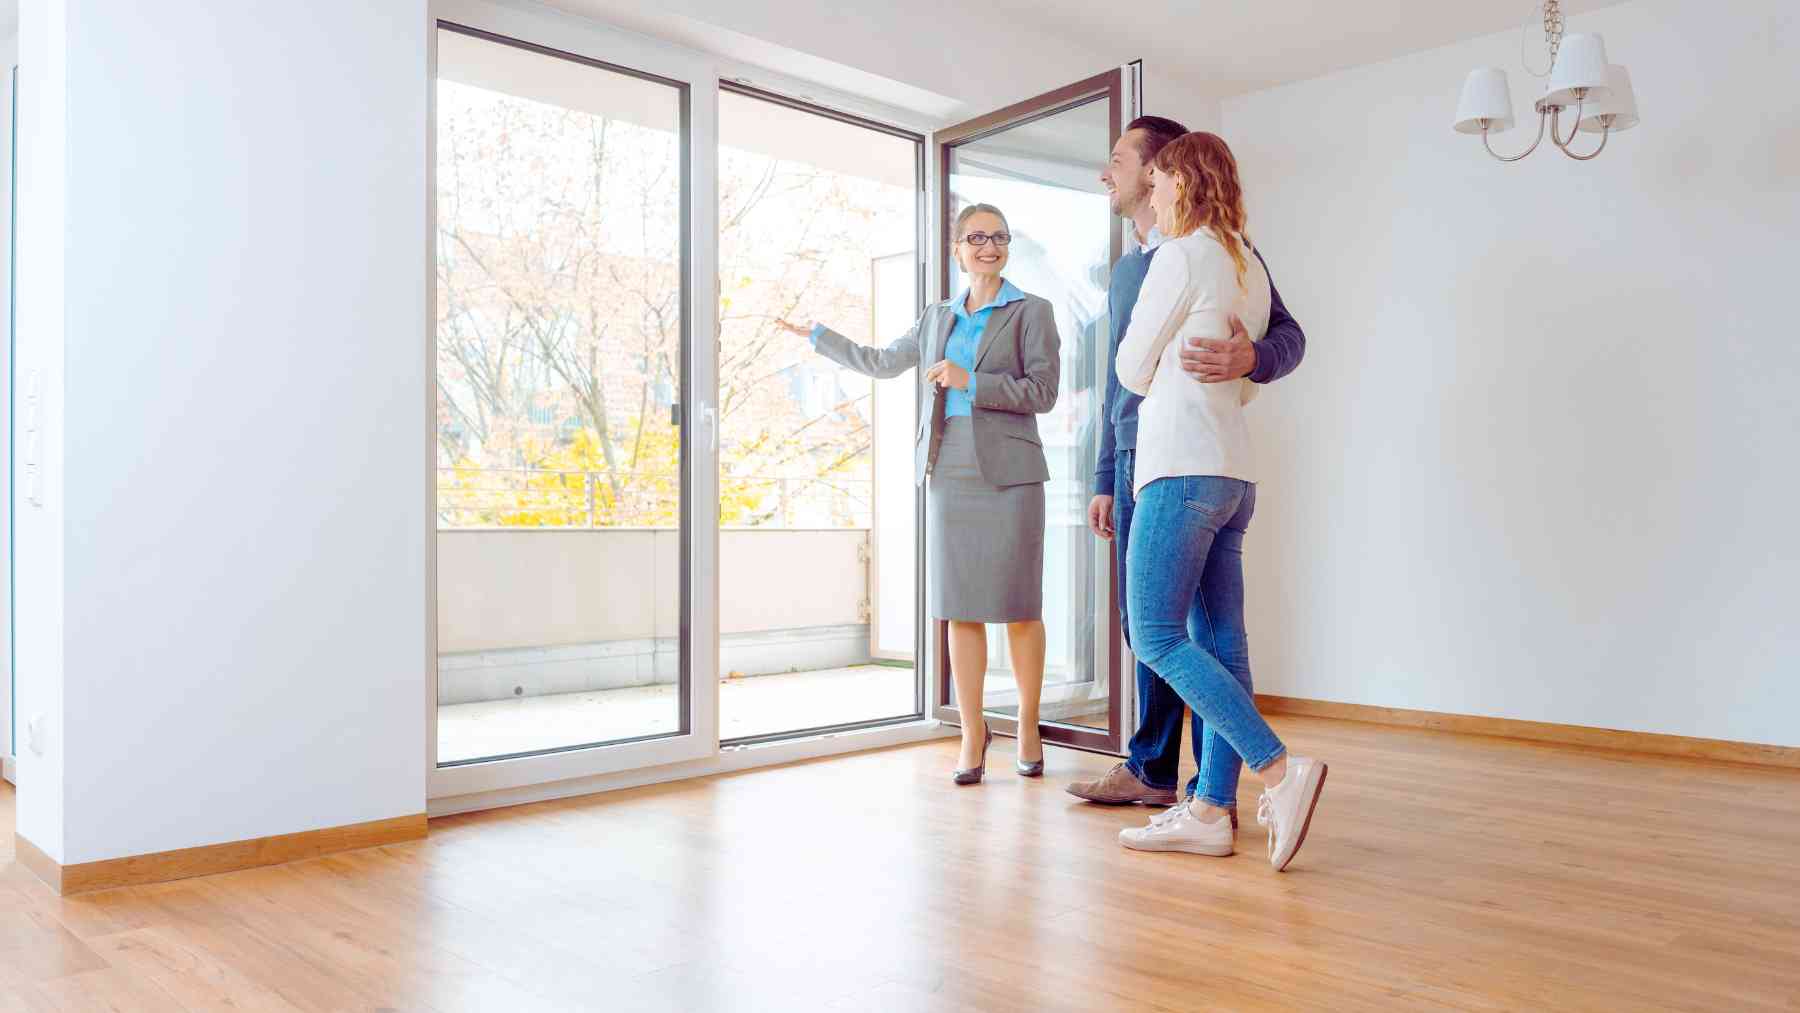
(1442, 871)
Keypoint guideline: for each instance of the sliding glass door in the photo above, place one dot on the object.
(664, 523)
(819, 220)
(1039, 162)
(572, 455)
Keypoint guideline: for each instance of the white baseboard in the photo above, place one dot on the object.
(9, 770)
(734, 758)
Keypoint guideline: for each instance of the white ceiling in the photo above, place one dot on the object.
(1230, 48)
(1218, 49)
(949, 58)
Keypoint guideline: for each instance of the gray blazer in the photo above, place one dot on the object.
(1018, 367)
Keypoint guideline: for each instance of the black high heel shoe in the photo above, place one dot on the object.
(1029, 768)
(974, 774)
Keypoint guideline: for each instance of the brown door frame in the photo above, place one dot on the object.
(1108, 86)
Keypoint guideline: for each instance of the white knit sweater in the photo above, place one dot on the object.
(1186, 427)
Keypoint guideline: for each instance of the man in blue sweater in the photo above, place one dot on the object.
(1149, 776)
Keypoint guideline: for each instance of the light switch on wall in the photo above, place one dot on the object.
(34, 438)
(35, 730)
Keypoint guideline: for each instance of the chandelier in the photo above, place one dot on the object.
(1580, 79)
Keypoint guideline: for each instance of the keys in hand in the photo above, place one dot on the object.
(947, 374)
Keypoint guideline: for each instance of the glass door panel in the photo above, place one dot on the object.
(561, 347)
(1039, 162)
(818, 222)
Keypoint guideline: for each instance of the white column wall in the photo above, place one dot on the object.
(243, 535)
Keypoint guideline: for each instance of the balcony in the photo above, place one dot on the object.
(562, 634)
(556, 636)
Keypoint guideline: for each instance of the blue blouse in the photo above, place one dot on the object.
(965, 341)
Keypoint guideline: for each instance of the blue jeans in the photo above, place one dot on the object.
(1189, 548)
(1154, 754)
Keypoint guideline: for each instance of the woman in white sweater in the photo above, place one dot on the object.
(1194, 500)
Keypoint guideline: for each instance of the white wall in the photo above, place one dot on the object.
(245, 528)
(9, 58)
(38, 525)
(1539, 462)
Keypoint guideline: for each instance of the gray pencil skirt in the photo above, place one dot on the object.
(986, 542)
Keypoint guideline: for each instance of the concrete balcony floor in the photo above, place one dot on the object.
(749, 706)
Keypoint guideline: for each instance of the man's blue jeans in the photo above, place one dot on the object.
(1155, 749)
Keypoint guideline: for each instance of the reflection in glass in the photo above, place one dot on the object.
(1044, 176)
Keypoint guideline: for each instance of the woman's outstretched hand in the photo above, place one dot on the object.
(948, 374)
(794, 328)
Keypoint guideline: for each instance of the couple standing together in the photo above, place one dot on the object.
(1196, 325)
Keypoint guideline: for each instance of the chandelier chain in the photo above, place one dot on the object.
(1553, 27)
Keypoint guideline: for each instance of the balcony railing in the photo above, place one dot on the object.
(471, 497)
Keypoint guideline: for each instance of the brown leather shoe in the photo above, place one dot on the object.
(1121, 787)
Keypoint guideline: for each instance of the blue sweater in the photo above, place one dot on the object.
(1277, 354)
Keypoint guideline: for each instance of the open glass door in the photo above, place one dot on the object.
(820, 213)
(1040, 161)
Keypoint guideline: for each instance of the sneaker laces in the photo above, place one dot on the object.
(1265, 816)
(1170, 814)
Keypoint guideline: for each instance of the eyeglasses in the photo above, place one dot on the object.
(982, 238)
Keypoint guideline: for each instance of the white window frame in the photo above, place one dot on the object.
(699, 464)
(485, 784)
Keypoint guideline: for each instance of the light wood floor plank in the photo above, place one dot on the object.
(1443, 872)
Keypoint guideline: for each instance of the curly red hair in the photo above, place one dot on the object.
(1209, 195)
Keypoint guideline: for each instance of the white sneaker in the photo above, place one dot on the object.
(1178, 829)
(1287, 808)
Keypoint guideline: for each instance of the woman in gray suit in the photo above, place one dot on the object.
(995, 365)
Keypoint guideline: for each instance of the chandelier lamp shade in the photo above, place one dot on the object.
(1596, 95)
